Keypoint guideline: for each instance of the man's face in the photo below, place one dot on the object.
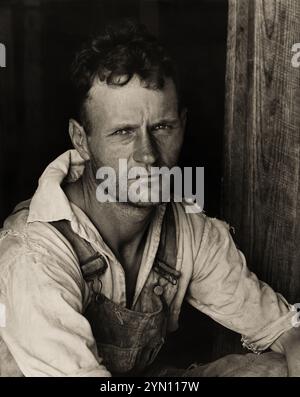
(134, 123)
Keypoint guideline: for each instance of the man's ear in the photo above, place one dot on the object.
(79, 139)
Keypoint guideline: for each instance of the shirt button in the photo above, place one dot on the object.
(158, 290)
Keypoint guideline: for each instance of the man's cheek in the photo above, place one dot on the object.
(172, 155)
(169, 149)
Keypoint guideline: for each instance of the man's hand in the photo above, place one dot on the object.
(289, 345)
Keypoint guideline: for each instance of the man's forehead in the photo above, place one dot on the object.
(132, 99)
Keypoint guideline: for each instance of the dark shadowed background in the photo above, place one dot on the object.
(41, 37)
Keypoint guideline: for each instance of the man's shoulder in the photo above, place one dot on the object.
(20, 237)
(16, 227)
(33, 251)
(186, 213)
(13, 241)
(197, 223)
(17, 220)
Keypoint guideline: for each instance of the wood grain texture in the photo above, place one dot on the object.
(262, 139)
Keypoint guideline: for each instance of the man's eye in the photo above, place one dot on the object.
(123, 132)
(162, 127)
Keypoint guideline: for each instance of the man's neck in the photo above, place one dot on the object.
(121, 225)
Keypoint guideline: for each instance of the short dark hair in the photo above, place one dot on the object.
(124, 49)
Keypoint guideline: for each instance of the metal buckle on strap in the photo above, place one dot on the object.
(170, 274)
(93, 267)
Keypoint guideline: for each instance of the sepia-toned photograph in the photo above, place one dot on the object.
(149, 191)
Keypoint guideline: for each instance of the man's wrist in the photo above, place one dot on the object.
(287, 341)
(289, 345)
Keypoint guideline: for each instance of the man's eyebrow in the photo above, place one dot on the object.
(122, 126)
(125, 126)
(166, 121)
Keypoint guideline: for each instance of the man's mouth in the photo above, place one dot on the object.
(153, 178)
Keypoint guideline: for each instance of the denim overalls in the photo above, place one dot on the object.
(128, 341)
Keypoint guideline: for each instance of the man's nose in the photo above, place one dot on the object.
(144, 150)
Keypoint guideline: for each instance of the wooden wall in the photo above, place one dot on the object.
(262, 142)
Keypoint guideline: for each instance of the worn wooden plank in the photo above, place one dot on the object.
(262, 139)
(7, 107)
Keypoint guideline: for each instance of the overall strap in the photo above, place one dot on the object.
(166, 257)
(93, 264)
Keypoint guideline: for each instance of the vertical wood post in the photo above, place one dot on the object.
(261, 195)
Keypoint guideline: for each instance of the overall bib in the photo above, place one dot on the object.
(128, 341)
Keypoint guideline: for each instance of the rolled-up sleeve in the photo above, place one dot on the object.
(45, 329)
(224, 288)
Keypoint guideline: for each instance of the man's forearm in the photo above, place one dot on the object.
(289, 345)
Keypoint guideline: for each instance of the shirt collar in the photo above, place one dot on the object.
(49, 203)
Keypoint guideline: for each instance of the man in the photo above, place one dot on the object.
(91, 288)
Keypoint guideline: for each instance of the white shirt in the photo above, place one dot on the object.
(45, 295)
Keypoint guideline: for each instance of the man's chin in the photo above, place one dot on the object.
(144, 204)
